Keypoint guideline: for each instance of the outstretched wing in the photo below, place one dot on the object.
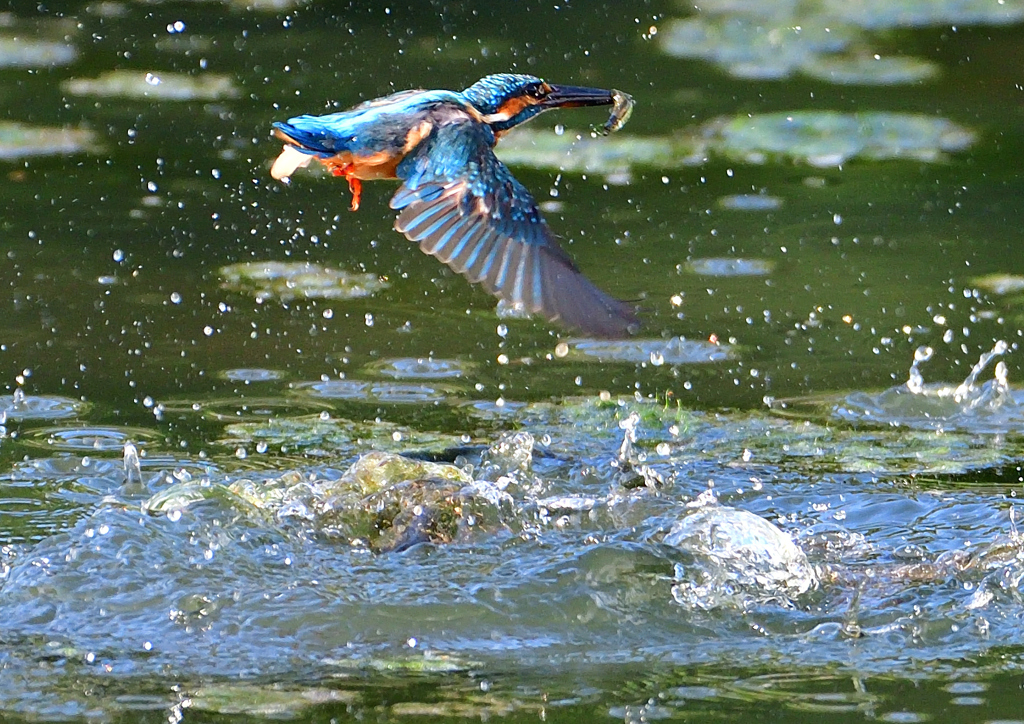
(464, 207)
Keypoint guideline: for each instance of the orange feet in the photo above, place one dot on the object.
(355, 186)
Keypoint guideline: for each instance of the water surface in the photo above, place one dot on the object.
(756, 506)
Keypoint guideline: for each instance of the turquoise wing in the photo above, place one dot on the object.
(463, 206)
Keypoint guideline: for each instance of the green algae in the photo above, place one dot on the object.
(1000, 284)
(831, 138)
(394, 393)
(729, 267)
(871, 70)
(752, 47)
(656, 352)
(20, 140)
(588, 153)
(272, 701)
(815, 138)
(376, 471)
(287, 281)
(884, 15)
(828, 40)
(22, 52)
(264, 6)
(750, 202)
(327, 435)
(154, 85)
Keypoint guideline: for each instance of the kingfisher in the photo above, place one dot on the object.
(457, 200)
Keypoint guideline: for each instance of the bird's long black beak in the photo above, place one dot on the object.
(572, 96)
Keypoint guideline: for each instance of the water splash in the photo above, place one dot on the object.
(915, 381)
(990, 406)
(734, 558)
(634, 472)
(132, 469)
(968, 393)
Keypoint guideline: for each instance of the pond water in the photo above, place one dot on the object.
(262, 458)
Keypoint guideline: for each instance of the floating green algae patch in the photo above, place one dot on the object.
(286, 281)
(154, 85)
(402, 393)
(331, 435)
(871, 70)
(730, 267)
(817, 138)
(21, 52)
(19, 140)
(674, 351)
(1000, 283)
(264, 701)
(884, 14)
(829, 40)
(750, 202)
(830, 138)
(588, 153)
(267, 6)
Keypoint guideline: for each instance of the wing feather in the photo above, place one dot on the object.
(464, 207)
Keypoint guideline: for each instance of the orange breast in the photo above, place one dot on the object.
(366, 167)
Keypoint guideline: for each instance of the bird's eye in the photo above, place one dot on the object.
(537, 91)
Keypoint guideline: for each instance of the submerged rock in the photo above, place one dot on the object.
(387, 502)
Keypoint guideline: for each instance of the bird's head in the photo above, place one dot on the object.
(507, 99)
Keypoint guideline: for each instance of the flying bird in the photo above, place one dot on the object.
(457, 200)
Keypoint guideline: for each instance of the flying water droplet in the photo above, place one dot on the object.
(132, 469)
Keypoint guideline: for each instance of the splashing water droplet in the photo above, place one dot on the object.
(915, 380)
(132, 467)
